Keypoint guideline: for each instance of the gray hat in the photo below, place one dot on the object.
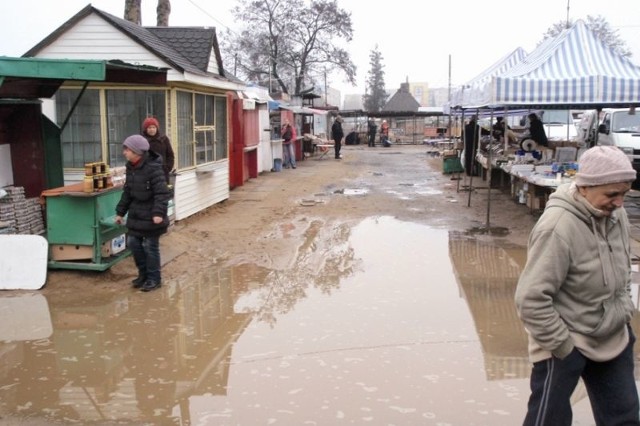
(137, 144)
(602, 165)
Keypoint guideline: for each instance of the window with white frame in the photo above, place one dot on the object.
(202, 128)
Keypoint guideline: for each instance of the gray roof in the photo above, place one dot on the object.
(186, 49)
(194, 43)
(402, 101)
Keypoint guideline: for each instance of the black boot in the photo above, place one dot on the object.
(151, 285)
(139, 282)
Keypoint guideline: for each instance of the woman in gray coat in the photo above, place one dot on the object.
(573, 296)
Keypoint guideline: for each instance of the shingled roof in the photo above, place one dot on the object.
(402, 101)
(186, 49)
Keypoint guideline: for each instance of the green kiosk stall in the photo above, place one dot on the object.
(80, 227)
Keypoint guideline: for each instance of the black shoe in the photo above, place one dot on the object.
(138, 282)
(150, 285)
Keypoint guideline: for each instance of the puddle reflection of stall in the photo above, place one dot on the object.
(126, 357)
(487, 276)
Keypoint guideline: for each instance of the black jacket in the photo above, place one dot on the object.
(161, 145)
(336, 131)
(536, 130)
(144, 195)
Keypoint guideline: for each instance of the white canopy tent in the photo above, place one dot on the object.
(472, 92)
(573, 70)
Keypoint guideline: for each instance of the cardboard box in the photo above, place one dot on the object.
(64, 252)
(535, 203)
(71, 252)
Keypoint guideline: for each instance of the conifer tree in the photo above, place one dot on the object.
(375, 94)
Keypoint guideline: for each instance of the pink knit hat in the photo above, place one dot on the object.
(150, 121)
(602, 165)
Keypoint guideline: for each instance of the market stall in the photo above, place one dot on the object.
(91, 240)
(573, 70)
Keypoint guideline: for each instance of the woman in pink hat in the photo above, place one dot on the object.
(159, 143)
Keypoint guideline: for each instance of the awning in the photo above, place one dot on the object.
(258, 96)
(303, 110)
(33, 78)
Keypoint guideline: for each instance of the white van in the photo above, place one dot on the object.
(558, 124)
(617, 126)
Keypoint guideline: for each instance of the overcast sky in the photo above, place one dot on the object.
(416, 38)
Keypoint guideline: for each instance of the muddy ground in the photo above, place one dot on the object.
(362, 290)
(264, 221)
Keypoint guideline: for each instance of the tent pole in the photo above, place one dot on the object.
(462, 138)
(489, 174)
(473, 159)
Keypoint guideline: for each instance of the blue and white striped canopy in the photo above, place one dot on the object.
(471, 93)
(575, 68)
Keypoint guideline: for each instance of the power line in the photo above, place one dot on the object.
(212, 17)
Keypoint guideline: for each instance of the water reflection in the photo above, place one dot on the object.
(487, 275)
(128, 357)
(381, 322)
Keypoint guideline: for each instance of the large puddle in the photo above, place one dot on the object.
(385, 322)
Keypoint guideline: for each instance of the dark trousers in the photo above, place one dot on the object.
(372, 139)
(610, 385)
(146, 255)
(337, 146)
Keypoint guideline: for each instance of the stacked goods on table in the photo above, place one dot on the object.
(97, 177)
(20, 215)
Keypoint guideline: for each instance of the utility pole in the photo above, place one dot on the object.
(325, 86)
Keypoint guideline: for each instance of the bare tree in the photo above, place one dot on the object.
(132, 12)
(600, 28)
(289, 43)
(162, 12)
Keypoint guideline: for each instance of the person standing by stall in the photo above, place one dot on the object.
(373, 128)
(337, 134)
(472, 132)
(287, 145)
(536, 130)
(160, 144)
(574, 296)
(384, 133)
(500, 129)
(145, 197)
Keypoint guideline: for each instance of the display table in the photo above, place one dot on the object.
(532, 188)
(81, 228)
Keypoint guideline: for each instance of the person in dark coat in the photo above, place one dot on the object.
(145, 198)
(288, 148)
(472, 132)
(372, 132)
(536, 130)
(337, 134)
(160, 144)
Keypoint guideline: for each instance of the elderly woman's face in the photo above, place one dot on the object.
(606, 197)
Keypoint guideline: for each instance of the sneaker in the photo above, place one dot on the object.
(138, 282)
(150, 285)
(293, 167)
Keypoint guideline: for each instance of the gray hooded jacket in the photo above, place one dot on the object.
(574, 291)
